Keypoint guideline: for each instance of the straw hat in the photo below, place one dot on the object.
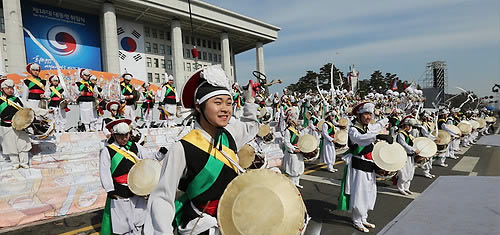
(264, 130)
(261, 202)
(474, 124)
(246, 155)
(389, 157)
(144, 176)
(343, 122)
(443, 137)
(465, 127)
(454, 129)
(341, 137)
(482, 122)
(320, 125)
(426, 146)
(23, 119)
(307, 143)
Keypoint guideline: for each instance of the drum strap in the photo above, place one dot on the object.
(7, 102)
(106, 227)
(86, 84)
(55, 91)
(295, 134)
(33, 82)
(170, 88)
(128, 87)
(210, 172)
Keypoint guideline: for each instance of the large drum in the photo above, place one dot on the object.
(308, 146)
(427, 149)
(261, 202)
(38, 126)
(144, 176)
(341, 138)
(465, 127)
(389, 158)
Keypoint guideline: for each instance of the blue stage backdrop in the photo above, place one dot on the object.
(71, 37)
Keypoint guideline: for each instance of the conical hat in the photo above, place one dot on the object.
(144, 176)
(261, 202)
(454, 129)
(23, 119)
(482, 122)
(264, 130)
(465, 127)
(246, 155)
(341, 137)
(443, 137)
(343, 122)
(426, 146)
(307, 143)
(320, 125)
(389, 157)
(474, 124)
(489, 119)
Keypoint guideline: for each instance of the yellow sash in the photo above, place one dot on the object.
(125, 153)
(11, 103)
(53, 89)
(171, 88)
(38, 83)
(294, 131)
(87, 85)
(196, 138)
(128, 87)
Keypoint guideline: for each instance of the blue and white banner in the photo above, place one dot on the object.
(131, 48)
(71, 37)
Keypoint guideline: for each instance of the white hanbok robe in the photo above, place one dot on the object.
(161, 203)
(328, 153)
(127, 214)
(405, 175)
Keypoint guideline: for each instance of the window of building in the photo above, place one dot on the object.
(168, 36)
(162, 34)
(204, 56)
(198, 42)
(220, 60)
(218, 46)
(204, 43)
(162, 63)
(2, 25)
(209, 56)
(187, 54)
(156, 63)
(6, 65)
(150, 77)
(169, 50)
(154, 33)
(209, 43)
(192, 41)
(188, 67)
(155, 48)
(162, 78)
(4, 44)
(148, 61)
(146, 32)
(186, 39)
(157, 77)
(169, 65)
(199, 55)
(148, 47)
(214, 45)
(162, 49)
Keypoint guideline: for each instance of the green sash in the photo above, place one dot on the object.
(6, 103)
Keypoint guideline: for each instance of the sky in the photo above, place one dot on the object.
(396, 36)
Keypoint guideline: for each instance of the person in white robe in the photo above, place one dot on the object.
(405, 174)
(328, 154)
(293, 161)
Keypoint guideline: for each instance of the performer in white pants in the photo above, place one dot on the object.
(168, 102)
(88, 111)
(328, 154)
(127, 97)
(34, 86)
(148, 102)
(425, 131)
(405, 175)
(56, 95)
(293, 161)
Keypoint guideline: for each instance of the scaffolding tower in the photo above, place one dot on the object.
(436, 78)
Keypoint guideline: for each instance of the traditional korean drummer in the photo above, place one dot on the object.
(206, 157)
(360, 180)
(124, 212)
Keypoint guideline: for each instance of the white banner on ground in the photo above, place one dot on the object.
(131, 48)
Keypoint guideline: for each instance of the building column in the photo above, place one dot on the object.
(16, 53)
(226, 55)
(177, 54)
(235, 78)
(259, 48)
(110, 37)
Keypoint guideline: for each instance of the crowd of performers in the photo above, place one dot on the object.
(202, 163)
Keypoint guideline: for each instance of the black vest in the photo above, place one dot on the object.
(123, 168)
(9, 111)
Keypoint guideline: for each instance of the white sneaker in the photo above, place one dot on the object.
(409, 192)
(403, 192)
(361, 228)
(444, 165)
(428, 176)
(332, 170)
(299, 186)
(369, 225)
(15, 166)
(24, 165)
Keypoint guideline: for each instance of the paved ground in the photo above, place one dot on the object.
(320, 192)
